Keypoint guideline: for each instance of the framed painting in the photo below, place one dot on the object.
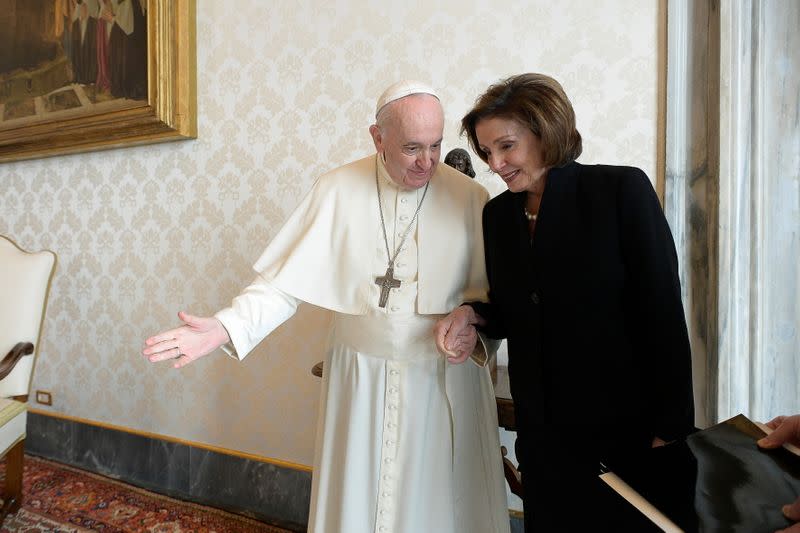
(80, 75)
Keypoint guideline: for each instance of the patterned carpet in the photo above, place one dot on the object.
(61, 499)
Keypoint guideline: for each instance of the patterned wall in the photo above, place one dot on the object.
(285, 91)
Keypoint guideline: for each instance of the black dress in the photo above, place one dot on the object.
(599, 358)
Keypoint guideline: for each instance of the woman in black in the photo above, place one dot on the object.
(584, 284)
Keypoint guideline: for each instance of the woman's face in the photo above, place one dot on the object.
(513, 152)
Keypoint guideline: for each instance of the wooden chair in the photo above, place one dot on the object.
(24, 285)
(506, 420)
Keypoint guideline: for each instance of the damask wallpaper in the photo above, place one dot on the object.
(286, 90)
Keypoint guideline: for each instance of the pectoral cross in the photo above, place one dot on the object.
(386, 283)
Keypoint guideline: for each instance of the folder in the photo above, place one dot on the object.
(714, 480)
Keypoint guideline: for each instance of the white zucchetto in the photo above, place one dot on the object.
(401, 89)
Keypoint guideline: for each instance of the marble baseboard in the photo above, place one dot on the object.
(270, 493)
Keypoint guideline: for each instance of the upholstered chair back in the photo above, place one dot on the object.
(24, 286)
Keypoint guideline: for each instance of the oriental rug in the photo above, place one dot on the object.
(62, 499)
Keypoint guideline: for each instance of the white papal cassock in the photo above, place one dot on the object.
(405, 441)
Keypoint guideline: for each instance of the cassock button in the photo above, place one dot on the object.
(535, 297)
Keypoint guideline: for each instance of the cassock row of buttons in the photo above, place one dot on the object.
(387, 485)
(405, 212)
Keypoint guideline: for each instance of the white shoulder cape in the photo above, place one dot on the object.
(323, 254)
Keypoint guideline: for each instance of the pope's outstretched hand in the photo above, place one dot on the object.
(198, 336)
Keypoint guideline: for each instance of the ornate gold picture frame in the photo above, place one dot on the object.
(168, 112)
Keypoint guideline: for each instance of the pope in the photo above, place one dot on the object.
(406, 442)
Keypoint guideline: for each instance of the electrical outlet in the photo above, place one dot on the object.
(44, 397)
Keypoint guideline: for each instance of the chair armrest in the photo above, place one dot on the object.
(512, 475)
(10, 361)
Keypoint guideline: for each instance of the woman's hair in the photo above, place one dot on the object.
(539, 103)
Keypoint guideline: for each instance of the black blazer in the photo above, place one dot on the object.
(592, 311)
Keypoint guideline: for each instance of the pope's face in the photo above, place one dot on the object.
(410, 139)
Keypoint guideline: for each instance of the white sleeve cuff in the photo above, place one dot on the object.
(254, 314)
(230, 350)
(485, 350)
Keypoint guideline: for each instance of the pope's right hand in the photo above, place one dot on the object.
(455, 334)
(198, 336)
